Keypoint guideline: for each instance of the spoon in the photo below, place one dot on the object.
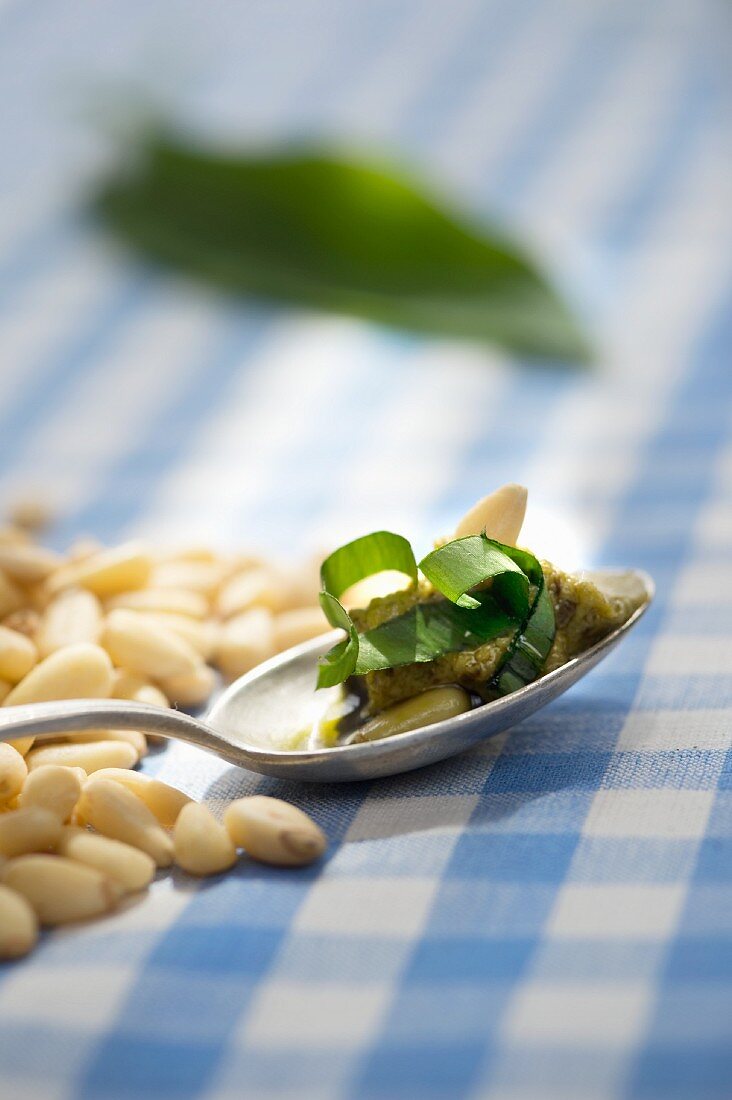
(277, 696)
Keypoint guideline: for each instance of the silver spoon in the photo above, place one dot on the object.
(274, 699)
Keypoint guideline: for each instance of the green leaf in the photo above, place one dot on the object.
(529, 649)
(315, 228)
(346, 566)
(429, 630)
(464, 563)
(364, 557)
(339, 662)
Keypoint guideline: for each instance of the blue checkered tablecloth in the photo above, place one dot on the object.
(546, 918)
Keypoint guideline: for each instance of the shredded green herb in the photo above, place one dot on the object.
(482, 589)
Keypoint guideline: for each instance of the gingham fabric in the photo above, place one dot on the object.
(548, 917)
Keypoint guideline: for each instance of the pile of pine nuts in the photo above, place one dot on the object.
(80, 830)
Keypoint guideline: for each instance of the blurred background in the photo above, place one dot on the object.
(597, 132)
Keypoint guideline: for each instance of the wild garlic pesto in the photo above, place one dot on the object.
(583, 616)
(478, 617)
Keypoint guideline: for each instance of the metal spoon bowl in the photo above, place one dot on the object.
(275, 697)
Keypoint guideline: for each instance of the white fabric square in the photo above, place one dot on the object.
(714, 525)
(643, 813)
(87, 997)
(367, 907)
(602, 1015)
(689, 655)
(664, 730)
(385, 817)
(153, 911)
(704, 584)
(605, 911)
(288, 1014)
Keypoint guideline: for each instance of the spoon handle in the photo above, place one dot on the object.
(69, 715)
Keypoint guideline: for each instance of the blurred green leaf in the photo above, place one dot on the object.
(314, 228)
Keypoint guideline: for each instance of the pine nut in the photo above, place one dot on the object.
(17, 655)
(500, 515)
(92, 757)
(37, 596)
(107, 572)
(12, 597)
(192, 689)
(133, 737)
(114, 811)
(273, 831)
(61, 890)
(22, 744)
(29, 830)
(371, 588)
(252, 588)
(81, 671)
(5, 689)
(162, 601)
(303, 581)
(300, 625)
(202, 846)
(73, 616)
(28, 563)
(18, 924)
(130, 685)
(434, 705)
(154, 696)
(31, 513)
(131, 868)
(188, 553)
(25, 621)
(53, 788)
(13, 772)
(195, 576)
(12, 535)
(164, 801)
(245, 641)
(145, 648)
(200, 634)
(83, 548)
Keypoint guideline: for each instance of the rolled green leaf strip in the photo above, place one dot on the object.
(364, 557)
(460, 565)
(525, 658)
